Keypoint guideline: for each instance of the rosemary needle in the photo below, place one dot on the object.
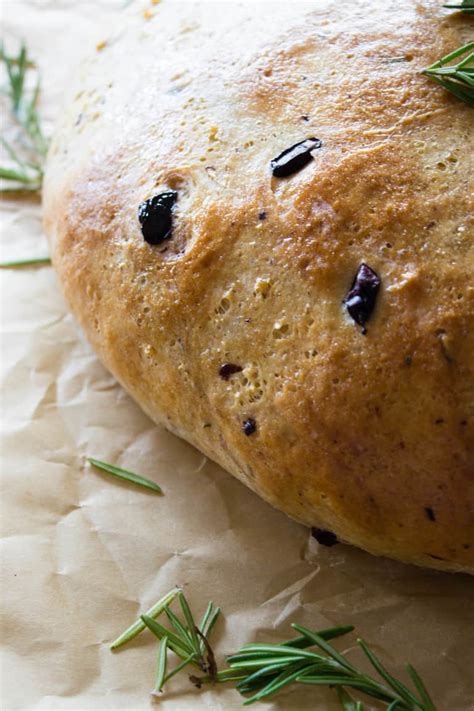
(162, 663)
(466, 6)
(25, 262)
(138, 626)
(125, 474)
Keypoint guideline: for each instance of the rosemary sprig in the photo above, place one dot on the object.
(456, 78)
(262, 670)
(187, 640)
(125, 474)
(270, 667)
(466, 6)
(25, 262)
(29, 147)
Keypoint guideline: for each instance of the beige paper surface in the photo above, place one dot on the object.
(83, 554)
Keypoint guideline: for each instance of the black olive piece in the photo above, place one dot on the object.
(228, 369)
(156, 216)
(262, 215)
(360, 300)
(294, 158)
(325, 538)
(249, 426)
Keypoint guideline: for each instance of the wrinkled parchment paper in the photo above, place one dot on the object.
(83, 554)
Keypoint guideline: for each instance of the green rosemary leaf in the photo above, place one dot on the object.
(25, 262)
(327, 634)
(138, 626)
(257, 678)
(125, 474)
(211, 622)
(259, 661)
(456, 78)
(208, 621)
(14, 174)
(458, 52)
(196, 645)
(322, 644)
(206, 616)
(161, 663)
(396, 685)
(466, 6)
(275, 649)
(180, 629)
(174, 642)
(16, 74)
(421, 688)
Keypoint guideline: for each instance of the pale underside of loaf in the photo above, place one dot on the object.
(368, 436)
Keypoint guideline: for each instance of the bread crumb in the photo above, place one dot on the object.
(147, 14)
(155, 2)
(280, 329)
(407, 279)
(447, 346)
(100, 45)
(262, 287)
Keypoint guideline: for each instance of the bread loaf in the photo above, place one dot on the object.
(262, 216)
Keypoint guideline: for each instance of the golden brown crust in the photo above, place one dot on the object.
(369, 436)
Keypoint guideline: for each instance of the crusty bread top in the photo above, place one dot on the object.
(370, 436)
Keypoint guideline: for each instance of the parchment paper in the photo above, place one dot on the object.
(83, 554)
